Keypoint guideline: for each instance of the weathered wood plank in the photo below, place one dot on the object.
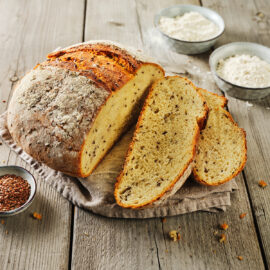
(113, 20)
(28, 31)
(102, 243)
(254, 116)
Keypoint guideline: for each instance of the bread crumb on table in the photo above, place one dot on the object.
(242, 215)
(37, 216)
(224, 226)
(222, 238)
(174, 235)
(2, 221)
(240, 258)
(163, 220)
(262, 184)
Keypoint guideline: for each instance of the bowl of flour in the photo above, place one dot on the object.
(242, 69)
(189, 29)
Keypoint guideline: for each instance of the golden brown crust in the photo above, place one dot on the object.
(241, 167)
(200, 123)
(107, 65)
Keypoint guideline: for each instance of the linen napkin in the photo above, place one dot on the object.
(95, 193)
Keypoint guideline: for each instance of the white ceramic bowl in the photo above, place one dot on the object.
(19, 171)
(190, 47)
(241, 92)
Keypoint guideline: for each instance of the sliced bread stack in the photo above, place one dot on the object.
(160, 156)
(162, 153)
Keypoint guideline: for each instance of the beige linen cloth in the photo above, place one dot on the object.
(95, 193)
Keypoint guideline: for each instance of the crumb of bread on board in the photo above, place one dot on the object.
(163, 220)
(14, 79)
(242, 215)
(240, 258)
(224, 226)
(2, 222)
(222, 238)
(37, 216)
(262, 184)
(174, 235)
(6, 231)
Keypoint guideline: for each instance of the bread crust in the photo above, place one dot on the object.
(170, 190)
(224, 99)
(33, 130)
(241, 167)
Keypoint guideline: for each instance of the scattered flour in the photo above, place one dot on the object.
(191, 26)
(245, 70)
(249, 104)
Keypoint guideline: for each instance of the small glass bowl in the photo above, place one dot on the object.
(19, 171)
(190, 47)
(241, 92)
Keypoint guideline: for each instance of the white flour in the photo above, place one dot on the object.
(245, 70)
(191, 26)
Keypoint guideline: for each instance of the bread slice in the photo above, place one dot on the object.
(221, 151)
(160, 156)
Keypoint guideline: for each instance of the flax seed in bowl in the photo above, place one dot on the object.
(17, 190)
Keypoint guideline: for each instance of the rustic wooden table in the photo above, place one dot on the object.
(71, 238)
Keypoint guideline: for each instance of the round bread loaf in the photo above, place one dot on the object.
(69, 110)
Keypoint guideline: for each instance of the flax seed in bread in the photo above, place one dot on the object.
(221, 151)
(160, 156)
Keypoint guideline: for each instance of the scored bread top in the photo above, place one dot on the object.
(160, 156)
(108, 66)
(56, 103)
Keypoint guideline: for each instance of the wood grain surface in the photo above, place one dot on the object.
(28, 31)
(71, 238)
(253, 116)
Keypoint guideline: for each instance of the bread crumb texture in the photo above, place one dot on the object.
(224, 226)
(262, 184)
(241, 216)
(163, 144)
(175, 235)
(222, 238)
(221, 151)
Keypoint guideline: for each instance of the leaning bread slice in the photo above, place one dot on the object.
(160, 156)
(221, 151)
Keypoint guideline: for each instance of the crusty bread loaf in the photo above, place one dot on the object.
(221, 151)
(70, 109)
(160, 156)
